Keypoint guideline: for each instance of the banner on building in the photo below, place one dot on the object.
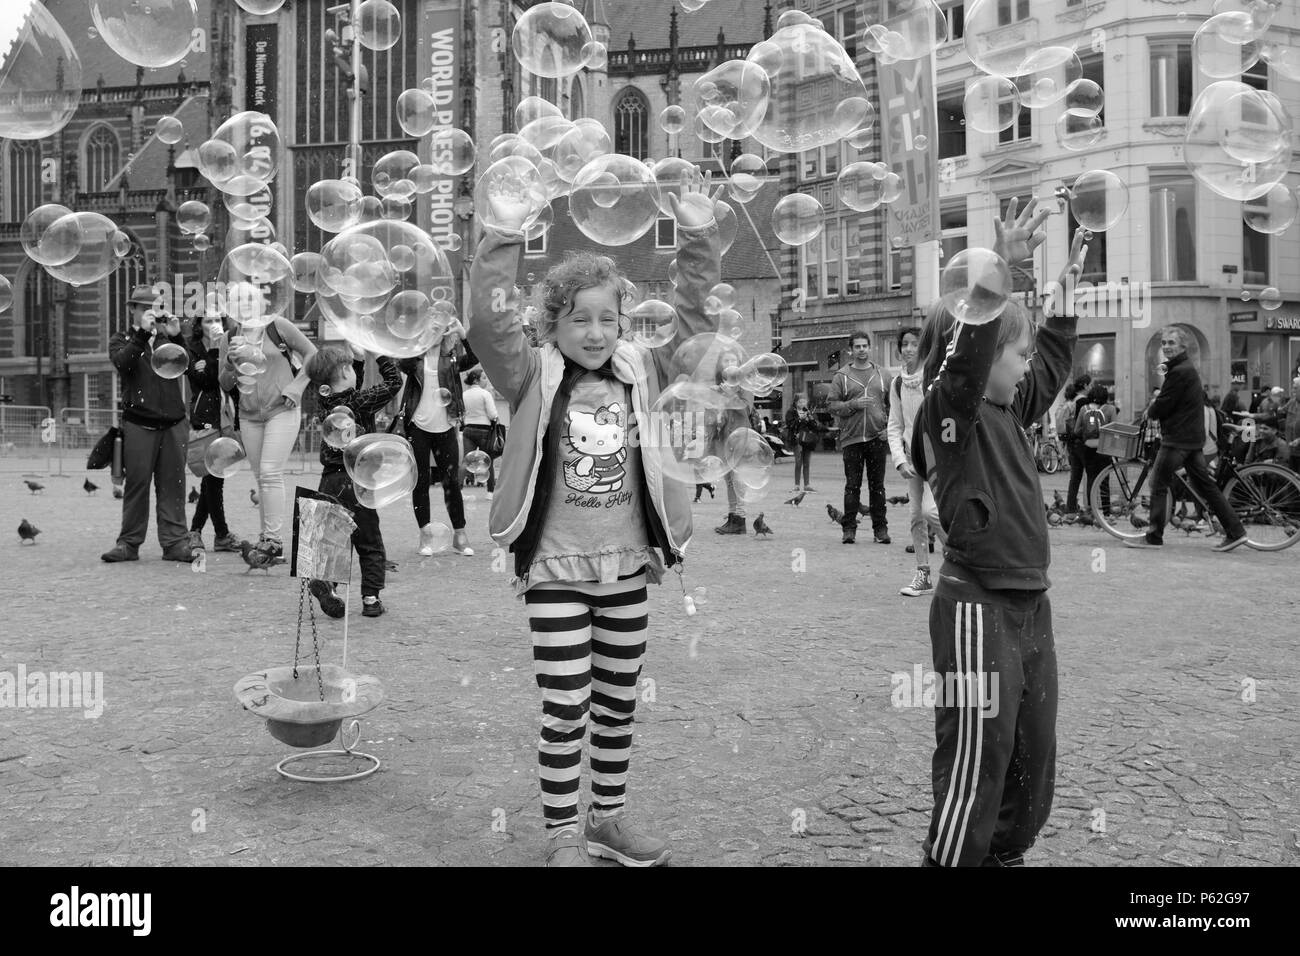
(261, 79)
(438, 51)
(909, 141)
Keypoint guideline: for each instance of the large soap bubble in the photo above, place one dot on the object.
(95, 238)
(748, 455)
(333, 204)
(149, 33)
(709, 358)
(169, 360)
(193, 217)
(858, 187)
(391, 174)
(733, 98)
(379, 25)
(1274, 212)
(975, 285)
(224, 457)
(529, 109)
(685, 434)
(1099, 200)
(992, 104)
(243, 154)
(1046, 74)
(6, 294)
(338, 429)
(417, 114)
(797, 219)
(652, 323)
(258, 284)
(378, 459)
(817, 98)
(451, 152)
(912, 28)
(510, 194)
(250, 208)
(1221, 48)
(587, 140)
(40, 72)
(551, 39)
(615, 200)
(992, 44)
(1238, 140)
(57, 248)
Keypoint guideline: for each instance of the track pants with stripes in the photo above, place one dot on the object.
(995, 732)
(588, 644)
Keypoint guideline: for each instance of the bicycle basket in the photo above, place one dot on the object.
(1120, 441)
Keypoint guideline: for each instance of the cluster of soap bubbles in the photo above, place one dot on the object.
(381, 465)
(73, 247)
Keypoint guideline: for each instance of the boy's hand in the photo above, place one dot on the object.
(1019, 236)
(694, 208)
(1073, 268)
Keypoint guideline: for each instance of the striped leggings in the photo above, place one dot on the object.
(588, 644)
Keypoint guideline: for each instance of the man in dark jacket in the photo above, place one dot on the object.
(1179, 407)
(154, 433)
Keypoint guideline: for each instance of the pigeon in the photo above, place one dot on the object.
(898, 499)
(90, 486)
(796, 499)
(35, 486)
(256, 558)
(760, 526)
(194, 495)
(836, 515)
(117, 491)
(28, 531)
(252, 496)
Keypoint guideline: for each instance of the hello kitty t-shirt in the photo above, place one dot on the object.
(595, 527)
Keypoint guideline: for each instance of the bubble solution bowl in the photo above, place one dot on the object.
(292, 706)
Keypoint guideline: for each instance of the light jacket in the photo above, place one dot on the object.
(277, 382)
(903, 406)
(859, 424)
(529, 377)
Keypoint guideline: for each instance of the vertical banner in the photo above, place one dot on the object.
(908, 113)
(438, 53)
(261, 61)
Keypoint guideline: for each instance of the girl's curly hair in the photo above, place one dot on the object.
(578, 271)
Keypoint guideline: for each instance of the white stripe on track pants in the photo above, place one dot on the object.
(588, 644)
(994, 764)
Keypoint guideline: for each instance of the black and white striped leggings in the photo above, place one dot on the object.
(588, 645)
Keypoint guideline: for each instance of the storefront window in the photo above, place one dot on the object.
(1094, 355)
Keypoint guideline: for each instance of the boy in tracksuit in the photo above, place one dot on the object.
(994, 763)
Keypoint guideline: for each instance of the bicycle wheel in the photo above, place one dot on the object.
(1050, 456)
(1266, 497)
(1127, 512)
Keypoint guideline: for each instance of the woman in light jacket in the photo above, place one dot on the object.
(480, 415)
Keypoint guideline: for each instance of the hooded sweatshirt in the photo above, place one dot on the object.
(859, 424)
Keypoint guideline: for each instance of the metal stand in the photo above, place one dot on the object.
(312, 756)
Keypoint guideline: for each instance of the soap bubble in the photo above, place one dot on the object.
(202, 242)
(671, 174)
(816, 98)
(1238, 140)
(46, 249)
(797, 218)
(975, 285)
(170, 130)
(747, 172)
(992, 45)
(241, 232)
(1273, 212)
(193, 217)
(1221, 48)
(1078, 132)
(1270, 299)
(550, 40)
(260, 7)
(858, 188)
(728, 224)
(251, 361)
(595, 55)
(1084, 97)
(764, 372)
(40, 73)
(338, 429)
(578, 147)
(169, 360)
(1099, 200)
(258, 282)
(379, 25)
(724, 293)
(748, 455)
(417, 114)
(92, 236)
(913, 29)
(451, 152)
(672, 120)
(529, 109)
(653, 323)
(1046, 74)
(1282, 54)
(733, 98)
(992, 104)
(305, 266)
(683, 437)
(6, 294)
(545, 132)
(333, 204)
(153, 34)
(478, 464)
(704, 358)
(509, 194)
(378, 459)
(249, 208)
(243, 154)
(224, 457)
(391, 174)
(635, 195)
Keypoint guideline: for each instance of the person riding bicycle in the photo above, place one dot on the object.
(1182, 426)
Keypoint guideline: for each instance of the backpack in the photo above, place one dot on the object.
(1091, 419)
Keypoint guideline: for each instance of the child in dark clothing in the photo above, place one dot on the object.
(332, 366)
(994, 763)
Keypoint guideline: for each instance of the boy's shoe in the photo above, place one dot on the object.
(371, 608)
(1146, 541)
(426, 541)
(567, 848)
(921, 584)
(615, 839)
(1226, 545)
(227, 542)
(195, 541)
(330, 602)
(850, 535)
(1009, 858)
(734, 524)
(119, 553)
(460, 543)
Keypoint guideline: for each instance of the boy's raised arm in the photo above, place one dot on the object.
(1053, 345)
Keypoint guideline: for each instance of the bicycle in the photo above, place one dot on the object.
(1265, 495)
(1047, 451)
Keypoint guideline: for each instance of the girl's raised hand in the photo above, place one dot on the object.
(1019, 236)
(694, 208)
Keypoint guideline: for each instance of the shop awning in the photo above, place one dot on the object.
(810, 353)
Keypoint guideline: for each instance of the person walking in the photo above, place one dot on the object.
(154, 433)
(803, 431)
(270, 412)
(432, 404)
(860, 400)
(1094, 415)
(206, 411)
(1182, 436)
(480, 416)
(1074, 444)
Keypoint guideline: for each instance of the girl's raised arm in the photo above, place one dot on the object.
(496, 332)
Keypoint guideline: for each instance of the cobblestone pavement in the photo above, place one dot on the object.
(783, 716)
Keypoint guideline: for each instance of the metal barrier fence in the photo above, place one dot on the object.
(22, 428)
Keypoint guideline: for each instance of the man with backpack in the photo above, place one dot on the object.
(1087, 427)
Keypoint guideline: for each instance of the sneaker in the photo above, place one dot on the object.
(227, 542)
(120, 553)
(910, 549)
(195, 541)
(330, 603)
(850, 536)
(882, 537)
(371, 607)
(426, 541)
(734, 524)
(567, 848)
(460, 543)
(921, 584)
(1146, 541)
(488, 496)
(615, 839)
(1229, 545)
